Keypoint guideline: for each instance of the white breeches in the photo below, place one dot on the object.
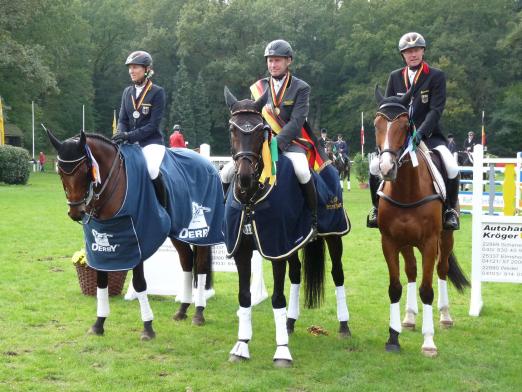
(374, 166)
(154, 156)
(452, 167)
(298, 159)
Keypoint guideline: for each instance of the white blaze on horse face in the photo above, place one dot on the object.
(386, 163)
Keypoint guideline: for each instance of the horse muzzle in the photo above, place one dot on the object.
(388, 167)
(76, 213)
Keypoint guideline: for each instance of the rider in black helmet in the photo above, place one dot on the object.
(141, 111)
(427, 105)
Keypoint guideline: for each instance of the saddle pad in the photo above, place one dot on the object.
(438, 181)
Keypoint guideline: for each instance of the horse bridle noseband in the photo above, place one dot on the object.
(246, 130)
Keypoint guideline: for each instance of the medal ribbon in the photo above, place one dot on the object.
(142, 96)
(416, 77)
(277, 98)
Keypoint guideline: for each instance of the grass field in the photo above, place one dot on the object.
(44, 319)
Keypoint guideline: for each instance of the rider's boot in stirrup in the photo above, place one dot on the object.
(161, 190)
(311, 201)
(371, 220)
(450, 219)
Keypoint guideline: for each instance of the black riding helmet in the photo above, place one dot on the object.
(411, 40)
(139, 57)
(279, 48)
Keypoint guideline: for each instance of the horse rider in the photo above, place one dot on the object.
(176, 139)
(452, 146)
(324, 138)
(288, 101)
(342, 148)
(427, 105)
(470, 142)
(141, 111)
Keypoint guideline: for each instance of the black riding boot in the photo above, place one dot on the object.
(451, 215)
(161, 190)
(311, 201)
(371, 220)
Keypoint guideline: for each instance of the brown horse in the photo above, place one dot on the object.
(102, 201)
(247, 133)
(410, 215)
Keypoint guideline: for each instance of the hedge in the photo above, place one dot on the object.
(14, 165)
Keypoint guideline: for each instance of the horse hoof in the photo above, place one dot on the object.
(430, 352)
(408, 326)
(179, 316)
(290, 325)
(95, 331)
(236, 358)
(147, 335)
(344, 330)
(198, 320)
(282, 363)
(446, 324)
(393, 348)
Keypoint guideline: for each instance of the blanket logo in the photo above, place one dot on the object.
(101, 242)
(198, 227)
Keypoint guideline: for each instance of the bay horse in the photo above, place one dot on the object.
(247, 134)
(410, 215)
(343, 166)
(102, 199)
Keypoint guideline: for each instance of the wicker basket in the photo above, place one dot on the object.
(87, 279)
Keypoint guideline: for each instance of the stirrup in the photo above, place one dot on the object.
(371, 219)
(451, 220)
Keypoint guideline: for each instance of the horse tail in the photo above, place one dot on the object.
(314, 267)
(455, 274)
(210, 277)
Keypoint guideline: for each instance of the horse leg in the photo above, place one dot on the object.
(442, 272)
(335, 248)
(429, 253)
(391, 254)
(243, 259)
(140, 285)
(294, 272)
(186, 259)
(282, 356)
(202, 269)
(102, 303)
(411, 298)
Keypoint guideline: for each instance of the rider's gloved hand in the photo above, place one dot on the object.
(120, 137)
(417, 138)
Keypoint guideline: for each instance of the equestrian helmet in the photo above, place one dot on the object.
(139, 57)
(279, 48)
(411, 40)
(176, 127)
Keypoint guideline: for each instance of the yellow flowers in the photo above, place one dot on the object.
(79, 257)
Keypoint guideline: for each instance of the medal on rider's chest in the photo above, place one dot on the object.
(277, 111)
(136, 114)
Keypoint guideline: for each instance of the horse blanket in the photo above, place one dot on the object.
(194, 212)
(280, 221)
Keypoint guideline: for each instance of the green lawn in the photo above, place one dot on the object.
(44, 319)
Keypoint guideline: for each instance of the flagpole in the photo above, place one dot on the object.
(83, 118)
(32, 116)
(362, 134)
(483, 134)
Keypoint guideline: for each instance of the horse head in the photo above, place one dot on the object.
(247, 133)
(391, 131)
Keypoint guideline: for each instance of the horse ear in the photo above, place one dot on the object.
(54, 140)
(405, 99)
(261, 101)
(378, 95)
(229, 98)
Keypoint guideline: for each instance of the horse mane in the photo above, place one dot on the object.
(98, 136)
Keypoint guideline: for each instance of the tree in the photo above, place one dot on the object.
(181, 111)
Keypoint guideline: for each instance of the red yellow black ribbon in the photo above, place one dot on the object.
(142, 96)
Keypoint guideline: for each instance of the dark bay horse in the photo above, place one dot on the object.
(247, 134)
(410, 215)
(342, 165)
(102, 201)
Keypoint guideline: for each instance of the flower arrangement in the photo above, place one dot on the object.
(79, 257)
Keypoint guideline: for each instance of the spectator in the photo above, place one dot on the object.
(41, 161)
(176, 139)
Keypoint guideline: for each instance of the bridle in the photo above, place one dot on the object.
(404, 112)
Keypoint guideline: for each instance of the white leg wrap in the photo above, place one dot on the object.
(146, 311)
(411, 298)
(186, 291)
(283, 352)
(342, 184)
(280, 324)
(342, 308)
(102, 296)
(200, 299)
(443, 301)
(293, 302)
(427, 320)
(395, 317)
(245, 323)
(452, 167)
(349, 185)
(240, 349)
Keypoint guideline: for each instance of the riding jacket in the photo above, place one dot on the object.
(146, 128)
(429, 98)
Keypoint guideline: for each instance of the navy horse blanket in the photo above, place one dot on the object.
(194, 212)
(280, 221)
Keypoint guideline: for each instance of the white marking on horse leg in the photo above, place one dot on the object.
(293, 302)
(200, 299)
(342, 307)
(146, 311)
(280, 324)
(245, 323)
(102, 297)
(185, 297)
(395, 317)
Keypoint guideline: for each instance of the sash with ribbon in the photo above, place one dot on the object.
(423, 68)
(137, 106)
(317, 159)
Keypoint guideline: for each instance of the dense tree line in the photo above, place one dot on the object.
(67, 53)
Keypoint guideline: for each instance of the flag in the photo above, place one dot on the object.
(362, 129)
(114, 126)
(484, 139)
(2, 129)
